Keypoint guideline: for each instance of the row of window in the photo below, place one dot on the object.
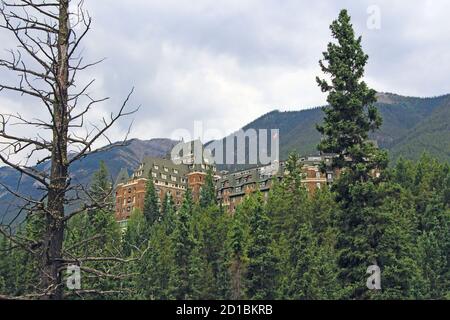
(156, 167)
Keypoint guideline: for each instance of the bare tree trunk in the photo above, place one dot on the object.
(54, 233)
(44, 35)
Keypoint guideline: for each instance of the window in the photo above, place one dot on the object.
(175, 171)
(163, 176)
(156, 167)
(174, 179)
(238, 189)
(166, 169)
(154, 175)
(330, 176)
(319, 186)
(318, 175)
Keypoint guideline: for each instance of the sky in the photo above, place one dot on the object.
(227, 62)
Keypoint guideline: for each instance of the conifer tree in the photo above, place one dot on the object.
(136, 235)
(201, 277)
(430, 191)
(151, 205)
(262, 266)
(350, 116)
(351, 113)
(182, 247)
(238, 260)
(95, 233)
(168, 212)
(154, 270)
(208, 191)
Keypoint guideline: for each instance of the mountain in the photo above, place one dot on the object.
(116, 157)
(431, 135)
(410, 127)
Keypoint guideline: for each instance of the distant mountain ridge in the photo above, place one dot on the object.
(116, 157)
(411, 126)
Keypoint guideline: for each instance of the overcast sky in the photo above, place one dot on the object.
(226, 62)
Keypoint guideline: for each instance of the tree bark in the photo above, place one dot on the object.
(59, 174)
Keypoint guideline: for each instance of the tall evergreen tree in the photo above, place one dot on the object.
(351, 113)
(183, 245)
(208, 192)
(238, 259)
(168, 212)
(154, 269)
(348, 119)
(151, 204)
(95, 233)
(262, 266)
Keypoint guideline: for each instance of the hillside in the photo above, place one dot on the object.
(431, 135)
(411, 126)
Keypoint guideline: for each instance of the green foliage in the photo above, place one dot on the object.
(262, 266)
(95, 234)
(19, 269)
(208, 192)
(351, 113)
(183, 245)
(151, 206)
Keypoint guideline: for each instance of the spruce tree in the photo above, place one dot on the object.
(100, 189)
(208, 191)
(351, 113)
(262, 266)
(151, 205)
(350, 116)
(154, 269)
(182, 247)
(168, 212)
(238, 260)
(95, 233)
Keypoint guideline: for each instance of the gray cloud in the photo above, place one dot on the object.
(226, 62)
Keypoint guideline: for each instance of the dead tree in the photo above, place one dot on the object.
(47, 61)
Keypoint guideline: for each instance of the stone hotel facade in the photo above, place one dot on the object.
(231, 188)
